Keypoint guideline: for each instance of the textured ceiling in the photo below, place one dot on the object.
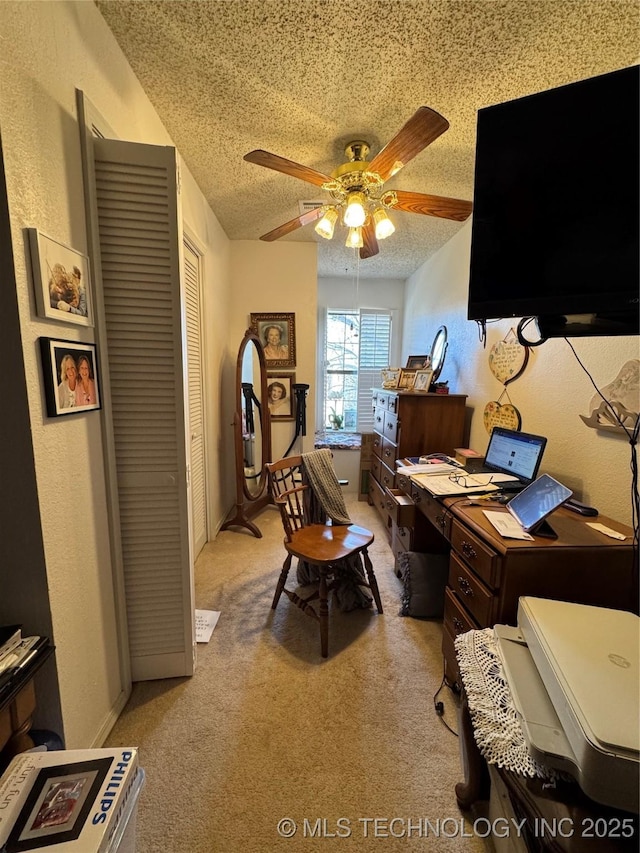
(301, 78)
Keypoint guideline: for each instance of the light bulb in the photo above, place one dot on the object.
(384, 226)
(354, 239)
(326, 225)
(355, 213)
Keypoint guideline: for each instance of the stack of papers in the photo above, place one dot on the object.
(467, 484)
(429, 469)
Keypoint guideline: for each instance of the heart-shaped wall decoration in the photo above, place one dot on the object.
(507, 360)
(497, 414)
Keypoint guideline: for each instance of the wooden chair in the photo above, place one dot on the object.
(321, 545)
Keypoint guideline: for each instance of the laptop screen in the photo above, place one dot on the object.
(516, 453)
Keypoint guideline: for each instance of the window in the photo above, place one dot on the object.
(357, 347)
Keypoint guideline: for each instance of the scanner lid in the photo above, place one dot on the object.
(594, 655)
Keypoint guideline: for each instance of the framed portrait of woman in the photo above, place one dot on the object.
(278, 337)
(280, 396)
(423, 380)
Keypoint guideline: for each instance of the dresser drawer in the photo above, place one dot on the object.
(476, 554)
(389, 453)
(392, 403)
(390, 430)
(376, 465)
(432, 509)
(381, 399)
(456, 619)
(378, 419)
(377, 495)
(473, 594)
(451, 668)
(377, 444)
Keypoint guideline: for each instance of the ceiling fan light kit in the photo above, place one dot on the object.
(355, 187)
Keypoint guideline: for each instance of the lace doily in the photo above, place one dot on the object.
(496, 727)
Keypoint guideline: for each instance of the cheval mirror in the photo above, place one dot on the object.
(252, 434)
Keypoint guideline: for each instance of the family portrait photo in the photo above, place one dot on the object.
(70, 376)
(277, 335)
(280, 396)
(61, 279)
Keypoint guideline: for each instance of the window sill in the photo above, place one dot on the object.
(338, 439)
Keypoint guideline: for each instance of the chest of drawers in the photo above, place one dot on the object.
(410, 423)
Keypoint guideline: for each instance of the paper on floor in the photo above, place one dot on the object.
(206, 621)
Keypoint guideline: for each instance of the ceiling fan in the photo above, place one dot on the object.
(356, 187)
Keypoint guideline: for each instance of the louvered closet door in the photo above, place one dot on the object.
(192, 282)
(139, 228)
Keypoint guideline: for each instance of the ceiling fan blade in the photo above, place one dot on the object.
(288, 167)
(370, 241)
(432, 205)
(298, 222)
(423, 127)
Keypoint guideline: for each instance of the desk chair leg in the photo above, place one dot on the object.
(373, 583)
(281, 581)
(323, 612)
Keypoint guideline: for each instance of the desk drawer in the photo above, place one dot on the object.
(433, 509)
(390, 430)
(378, 419)
(389, 452)
(456, 619)
(403, 483)
(401, 508)
(475, 597)
(476, 554)
(387, 477)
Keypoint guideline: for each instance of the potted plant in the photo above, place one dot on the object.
(335, 419)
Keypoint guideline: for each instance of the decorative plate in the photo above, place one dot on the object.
(508, 359)
(502, 415)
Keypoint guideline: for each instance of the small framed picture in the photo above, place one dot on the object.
(390, 377)
(61, 279)
(418, 362)
(407, 379)
(277, 333)
(280, 396)
(58, 805)
(70, 372)
(423, 380)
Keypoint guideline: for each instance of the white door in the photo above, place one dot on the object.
(140, 234)
(197, 468)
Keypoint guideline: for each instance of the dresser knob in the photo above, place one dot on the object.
(440, 521)
(457, 624)
(467, 550)
(465, 586)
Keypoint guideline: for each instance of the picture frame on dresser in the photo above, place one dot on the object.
(407, 379)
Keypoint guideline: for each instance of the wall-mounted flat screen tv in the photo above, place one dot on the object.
(555, 231)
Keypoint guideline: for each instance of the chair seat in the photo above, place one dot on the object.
(322, 544)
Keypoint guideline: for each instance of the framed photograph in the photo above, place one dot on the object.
(70, 371)
(278, 335)
(407, 379)
(58, 805)
(280, 396)
(61, 279)
(418, 362)
(423, 380)
(390, 377)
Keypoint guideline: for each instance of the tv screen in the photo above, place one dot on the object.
(555, 213)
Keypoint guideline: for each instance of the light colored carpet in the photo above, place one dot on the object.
(266, 730)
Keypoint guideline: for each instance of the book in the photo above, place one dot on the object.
(69, 800)
(10, 636)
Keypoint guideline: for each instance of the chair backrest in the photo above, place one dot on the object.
(285, 483)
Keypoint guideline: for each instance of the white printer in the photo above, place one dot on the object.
(574, 674)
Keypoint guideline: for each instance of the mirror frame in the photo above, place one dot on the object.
(438, 349)
(249, 504)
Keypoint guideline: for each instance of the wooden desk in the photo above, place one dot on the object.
(487, 574)
(17, 704)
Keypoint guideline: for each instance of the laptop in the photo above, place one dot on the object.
(511, 452)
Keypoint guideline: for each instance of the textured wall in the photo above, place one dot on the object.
(49, 49)
(551, 394)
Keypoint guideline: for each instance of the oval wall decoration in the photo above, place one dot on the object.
(508, 358)
(502, 415)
